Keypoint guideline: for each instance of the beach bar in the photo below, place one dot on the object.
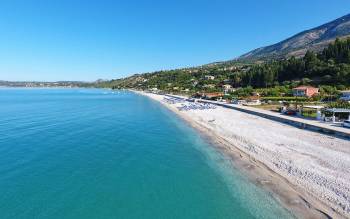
(342, 114)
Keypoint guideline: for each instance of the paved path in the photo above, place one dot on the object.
(335, 128)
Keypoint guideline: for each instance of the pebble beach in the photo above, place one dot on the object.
(314, 165)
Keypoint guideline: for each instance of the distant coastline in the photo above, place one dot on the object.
(43, 87)
(296, 194)
(38, 84)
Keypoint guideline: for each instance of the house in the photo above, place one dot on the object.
(231, 68)
(194, 83)
(209, 77)
(154, 90)
(214, 95)
(209, 86)
(227, 88)
(345, 95)
(305, 91)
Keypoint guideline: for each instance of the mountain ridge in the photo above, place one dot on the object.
(314, 39)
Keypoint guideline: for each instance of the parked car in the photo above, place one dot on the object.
(346, 123)
(290, 112)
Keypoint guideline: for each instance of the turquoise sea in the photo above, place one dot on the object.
(90, 153)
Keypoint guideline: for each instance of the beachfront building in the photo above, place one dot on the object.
(345, 95)
(338, 114)
(305, 91)
(213, 96)
(153, 90)
(253, 101)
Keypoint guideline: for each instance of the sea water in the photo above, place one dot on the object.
(94, 153)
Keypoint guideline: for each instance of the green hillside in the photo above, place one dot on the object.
(330, 67)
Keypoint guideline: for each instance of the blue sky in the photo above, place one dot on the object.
(52, 40)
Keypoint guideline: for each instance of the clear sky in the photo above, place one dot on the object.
(51, 40)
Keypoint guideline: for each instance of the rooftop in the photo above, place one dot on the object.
(304, 87)
(338, 110)
(314, 107)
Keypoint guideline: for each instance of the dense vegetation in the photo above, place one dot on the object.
(331, 67)
(329, 70)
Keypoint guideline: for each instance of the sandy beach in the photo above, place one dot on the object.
(308, 172)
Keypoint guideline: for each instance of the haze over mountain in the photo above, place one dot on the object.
(314, 39)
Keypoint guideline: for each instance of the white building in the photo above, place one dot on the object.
(209, 86)
(227, 88)
(209, 77)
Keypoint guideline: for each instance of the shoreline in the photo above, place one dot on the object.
(301, 202)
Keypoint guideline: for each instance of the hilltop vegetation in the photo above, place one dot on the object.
(330, 67)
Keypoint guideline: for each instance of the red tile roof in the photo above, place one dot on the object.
(304, 88)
